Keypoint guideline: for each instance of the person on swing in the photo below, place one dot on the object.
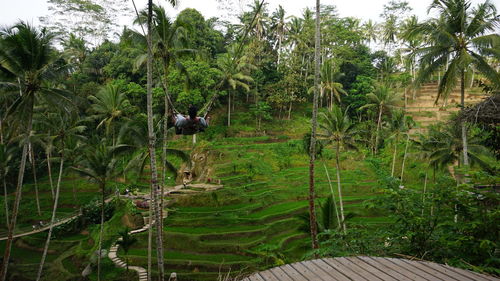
(191, 124)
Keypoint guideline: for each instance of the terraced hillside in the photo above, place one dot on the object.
(425, 112)
(254, 221)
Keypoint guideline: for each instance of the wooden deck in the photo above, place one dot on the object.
(366, 269)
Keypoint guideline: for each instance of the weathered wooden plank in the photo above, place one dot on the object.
(366, 272)
(256, 277)
(366, 269)
(415, 270)
(308, 274)
(473, 275)
(344, 269)
(281, 274)
(447, 271)
(403, 271)
(323, 273)
(388, 269)
(427, 269)
(337, 275)
(268, 275)
(290, 271)
(379, 273)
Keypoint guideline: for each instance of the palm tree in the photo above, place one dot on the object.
(370, 32)
(338, 129)
(314, 124)
(26, 60)
(330, 82)
(100, 164)
(109, 106)
(397, 127)
(467, 36)
(261, 21)
(234, 75)
(68, 126)
(390, 32)
(382, 99)
(75, 50)
(152, 140)
(412, 41)
(279, 28)
(447, 148)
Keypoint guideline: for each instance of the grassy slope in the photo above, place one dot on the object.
(240, 227)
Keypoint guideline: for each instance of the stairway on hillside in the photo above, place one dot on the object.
(425, 112)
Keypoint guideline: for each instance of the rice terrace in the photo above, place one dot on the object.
(249, 140)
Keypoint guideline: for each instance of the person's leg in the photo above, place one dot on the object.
(180, 122)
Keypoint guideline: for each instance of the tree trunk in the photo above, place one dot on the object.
(464, 128)
(1, 130)
(164, 153)
(151, 146)
(49, 169)
(312, 147)
(337, 162)
(234, 102)
(472, 78)
(425, 189)
(17, 201)
(379, 122)
(150, 235)
(290, 111)
(404, 156)
(6, 202)
(394, 157)
(229, 109)
(53, 219)
(101, 231)
(279, 51)
(333, 194)
(33, 168)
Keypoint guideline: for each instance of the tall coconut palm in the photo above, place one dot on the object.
(152, 140)
(234, 75)
(382, 100)
(261, 21)
(109, 106)
(279, 29)
(68, 126)
(314, 124)
(100, 164)
(338, 129)
(390, 32)
(370, 32)
(397, 128)
(461, 37)
(330, 83)
(26, 61)
(447, 148)
(75, 50)
(412, 41)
